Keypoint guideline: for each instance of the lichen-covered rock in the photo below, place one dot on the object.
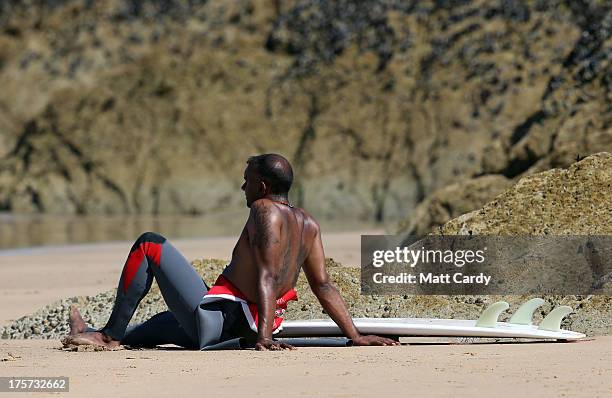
(576, 200)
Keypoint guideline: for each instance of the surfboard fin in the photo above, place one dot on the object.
(552, 321)
(524, 314)
(488, 318)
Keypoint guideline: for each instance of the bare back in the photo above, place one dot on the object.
(290, 247)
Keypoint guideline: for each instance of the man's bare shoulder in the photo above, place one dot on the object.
(264, 215)
(264, 207)
(268, 211)
(309, 221)
(263, 223)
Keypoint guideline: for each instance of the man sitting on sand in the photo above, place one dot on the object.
(244, 306)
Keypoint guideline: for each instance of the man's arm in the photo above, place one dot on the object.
(264, 229)
(330, 298)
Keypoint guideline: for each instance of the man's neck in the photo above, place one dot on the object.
(279, 198)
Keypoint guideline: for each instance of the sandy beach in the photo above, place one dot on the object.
(31, 278)
(507, 370)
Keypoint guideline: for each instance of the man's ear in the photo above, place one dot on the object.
(263, 187)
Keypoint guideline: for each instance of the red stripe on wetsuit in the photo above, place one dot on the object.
(149, 249)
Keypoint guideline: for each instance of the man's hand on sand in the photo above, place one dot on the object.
(374, 340)
(271, 345)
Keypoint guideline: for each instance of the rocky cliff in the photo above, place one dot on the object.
(152, 106)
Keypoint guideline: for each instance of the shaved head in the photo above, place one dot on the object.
(275, 170)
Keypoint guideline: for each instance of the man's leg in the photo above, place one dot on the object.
(162, 328)
(152, 256)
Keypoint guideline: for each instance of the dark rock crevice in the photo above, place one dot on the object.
(27, 150)
(306, 137)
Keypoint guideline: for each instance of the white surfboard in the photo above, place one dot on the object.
(519, 326)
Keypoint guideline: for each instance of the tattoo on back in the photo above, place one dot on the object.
(291, 262)
(285, 266)
(263, 237)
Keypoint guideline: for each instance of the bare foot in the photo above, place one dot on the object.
(90, 338)
(79, 336)
(76, 322)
